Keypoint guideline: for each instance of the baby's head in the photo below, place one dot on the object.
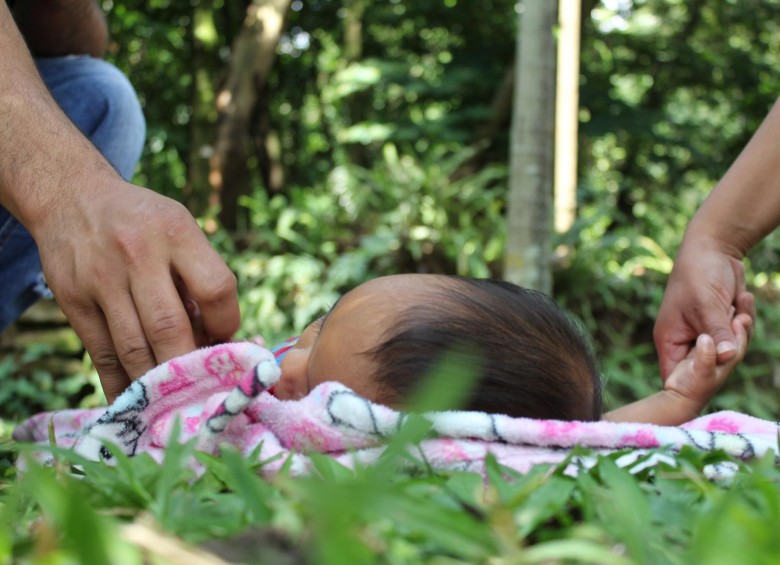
(384, 336)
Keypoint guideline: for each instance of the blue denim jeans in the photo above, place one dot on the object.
(100, 100)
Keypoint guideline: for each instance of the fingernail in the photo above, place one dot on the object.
(726, 347)
(193, 310)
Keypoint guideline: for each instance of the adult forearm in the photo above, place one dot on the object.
(745, 205)
(41, 151)
(62, 27)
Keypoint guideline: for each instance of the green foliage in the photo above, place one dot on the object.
(388, 169)
(27, 385)
(403, 215)
(396, 511)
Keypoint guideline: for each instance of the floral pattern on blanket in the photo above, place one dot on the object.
(219, 395)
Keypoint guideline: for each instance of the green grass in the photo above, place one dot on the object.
(397, 511)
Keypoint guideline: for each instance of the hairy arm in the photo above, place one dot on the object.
(40, 149)
(119, 258)
(745, 205)
(62, 27)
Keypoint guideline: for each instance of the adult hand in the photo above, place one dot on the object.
(124, 263)
(705, 291)
(699, 377)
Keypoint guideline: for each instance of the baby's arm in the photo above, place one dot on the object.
(690, 386)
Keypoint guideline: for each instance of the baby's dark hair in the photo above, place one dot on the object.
(533, 359)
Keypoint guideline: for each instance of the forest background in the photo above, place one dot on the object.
(324, 142)
(374, 140)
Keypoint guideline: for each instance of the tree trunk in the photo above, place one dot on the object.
(205, 64)
(527, 260)
(566, 114)
(353, 52)
(253, 55)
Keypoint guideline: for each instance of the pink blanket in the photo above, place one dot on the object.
(219, 396)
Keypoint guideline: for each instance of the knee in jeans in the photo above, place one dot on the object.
(121, 100)
(100, 100)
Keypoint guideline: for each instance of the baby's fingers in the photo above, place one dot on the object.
(746, 311)
(746, 304)
(742, 325)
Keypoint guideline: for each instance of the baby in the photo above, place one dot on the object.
(532, 359)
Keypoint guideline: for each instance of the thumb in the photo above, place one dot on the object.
(719, 327)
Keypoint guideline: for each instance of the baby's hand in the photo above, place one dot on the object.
(697, 378)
